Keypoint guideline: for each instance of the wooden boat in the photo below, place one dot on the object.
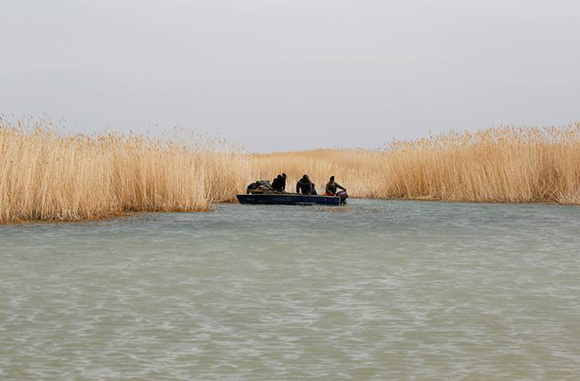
(286, 199)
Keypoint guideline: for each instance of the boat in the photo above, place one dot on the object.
(287, 199)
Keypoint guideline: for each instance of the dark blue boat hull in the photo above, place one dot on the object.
(287, 199)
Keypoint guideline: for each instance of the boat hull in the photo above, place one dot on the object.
(287, 199)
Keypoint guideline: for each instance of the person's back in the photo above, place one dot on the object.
(277, 183)
(283, 182)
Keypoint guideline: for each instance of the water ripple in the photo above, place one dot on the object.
(378, 290)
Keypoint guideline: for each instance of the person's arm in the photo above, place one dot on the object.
(340, 186)
(298, 187)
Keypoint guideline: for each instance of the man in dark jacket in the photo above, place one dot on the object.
(305, 186)
(277, 183)
(283, 182)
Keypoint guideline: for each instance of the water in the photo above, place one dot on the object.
(379, 290)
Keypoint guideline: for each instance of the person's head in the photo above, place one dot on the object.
(279, 176)
(331, 178)
(305, 177)
(283, 175)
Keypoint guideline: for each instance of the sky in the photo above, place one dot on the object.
(277, 75)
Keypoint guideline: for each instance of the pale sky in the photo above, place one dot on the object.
(284, 75)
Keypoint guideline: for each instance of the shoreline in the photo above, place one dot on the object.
(210, 209)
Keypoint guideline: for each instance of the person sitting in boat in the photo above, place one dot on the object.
(332, 186)
(277, 183)
(283, 182)
(305, 186)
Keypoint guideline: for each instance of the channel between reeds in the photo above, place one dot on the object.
(51, 176)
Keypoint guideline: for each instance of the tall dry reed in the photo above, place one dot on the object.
(50, 176)
(496, 165)
(45, 176)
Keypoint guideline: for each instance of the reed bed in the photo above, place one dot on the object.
(47, 175)
(504, 165)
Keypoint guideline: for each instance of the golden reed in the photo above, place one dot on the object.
(45, 176)
(503, 165)
(48, 176)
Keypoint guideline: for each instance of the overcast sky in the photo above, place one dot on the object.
(292, 74)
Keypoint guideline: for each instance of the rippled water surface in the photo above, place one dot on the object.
(377, 290)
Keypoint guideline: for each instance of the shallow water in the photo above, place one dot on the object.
(378, 290)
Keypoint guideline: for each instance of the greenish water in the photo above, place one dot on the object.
(380, 290)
